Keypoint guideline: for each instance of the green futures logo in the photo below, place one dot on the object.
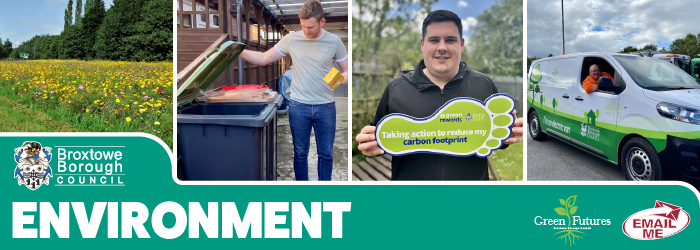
(571, 228)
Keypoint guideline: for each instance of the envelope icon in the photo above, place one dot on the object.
(668, 210)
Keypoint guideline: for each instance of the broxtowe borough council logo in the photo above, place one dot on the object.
(32, 168)
(572, 227)
(73, 165)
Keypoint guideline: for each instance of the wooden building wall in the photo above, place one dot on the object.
(192, 43)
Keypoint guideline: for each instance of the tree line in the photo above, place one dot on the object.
(688, 45)
(130, 30)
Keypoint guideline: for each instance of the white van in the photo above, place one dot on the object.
(646, 118)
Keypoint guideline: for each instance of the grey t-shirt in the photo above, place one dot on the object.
(312, 60)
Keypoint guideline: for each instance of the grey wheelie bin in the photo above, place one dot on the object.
(225, 140)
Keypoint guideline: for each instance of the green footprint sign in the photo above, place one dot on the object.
(461, 127)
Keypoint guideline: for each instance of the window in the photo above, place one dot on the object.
(187, 21)
(656, 75)
(216, 20)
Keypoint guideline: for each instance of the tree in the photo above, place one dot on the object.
(689, 45)
(78, 11)
(119, 23)
(70, 43)
(649, 46)
(531, 59)
(629, 49)
(389, 38)
(496, 41)
(68, 17)
(5, 48)
(550, 55)
(554, 105)
(91, 22)
(154, 38)
(541, 101)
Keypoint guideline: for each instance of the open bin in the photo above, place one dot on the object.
(223, 140)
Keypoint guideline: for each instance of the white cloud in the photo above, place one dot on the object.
(470, 21)
(602, 26)
(462, 4)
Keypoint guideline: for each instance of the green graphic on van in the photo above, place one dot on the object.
(461, 127)
(535, 78)
(553, 79)
(590, 116)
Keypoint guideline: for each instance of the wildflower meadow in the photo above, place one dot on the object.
(93, 96)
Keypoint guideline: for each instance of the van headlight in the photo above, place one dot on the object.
(679, 113)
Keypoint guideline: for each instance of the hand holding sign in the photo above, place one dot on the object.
(517, 128)
(367, 141)
(461, 127)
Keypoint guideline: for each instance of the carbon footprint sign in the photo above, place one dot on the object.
(461, 127)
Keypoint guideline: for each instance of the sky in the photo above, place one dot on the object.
(466, 10)
(607, 26)
(22, 20)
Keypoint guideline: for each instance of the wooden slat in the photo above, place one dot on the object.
(357, 171)
(386, 163)
(371, 171)
(387, 157)
(197, 61)
(379, 167)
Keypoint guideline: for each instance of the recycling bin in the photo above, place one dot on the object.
(220, 139)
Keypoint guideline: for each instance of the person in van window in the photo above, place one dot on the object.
(313, 52)
(591, 82)
(441, 76)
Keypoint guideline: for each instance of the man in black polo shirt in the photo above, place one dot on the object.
(438, 78)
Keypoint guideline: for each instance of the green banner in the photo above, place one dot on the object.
(139, 204)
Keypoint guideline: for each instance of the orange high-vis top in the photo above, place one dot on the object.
(589, 84)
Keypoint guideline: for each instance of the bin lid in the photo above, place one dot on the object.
(216, 62)
(240, 95)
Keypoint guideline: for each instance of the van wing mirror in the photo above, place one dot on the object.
(605, 84)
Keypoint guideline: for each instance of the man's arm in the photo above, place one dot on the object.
(344, 68)
(588, 85)
(259, 58)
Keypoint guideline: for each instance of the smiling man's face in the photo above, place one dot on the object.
(442, 48)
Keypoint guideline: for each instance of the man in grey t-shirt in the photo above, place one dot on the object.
(313, 52)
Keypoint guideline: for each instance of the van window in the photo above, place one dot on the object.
(602, 64)
(655, 74)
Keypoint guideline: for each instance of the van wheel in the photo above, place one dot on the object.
(640, 162)
(535, 128)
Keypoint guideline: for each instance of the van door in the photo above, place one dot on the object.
(595, 114)
(554, 99)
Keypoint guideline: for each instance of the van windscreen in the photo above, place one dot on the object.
(654, 74)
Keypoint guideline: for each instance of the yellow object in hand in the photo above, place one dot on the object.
(334, 78)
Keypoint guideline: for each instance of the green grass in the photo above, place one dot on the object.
(16, 117)
(509, 162)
